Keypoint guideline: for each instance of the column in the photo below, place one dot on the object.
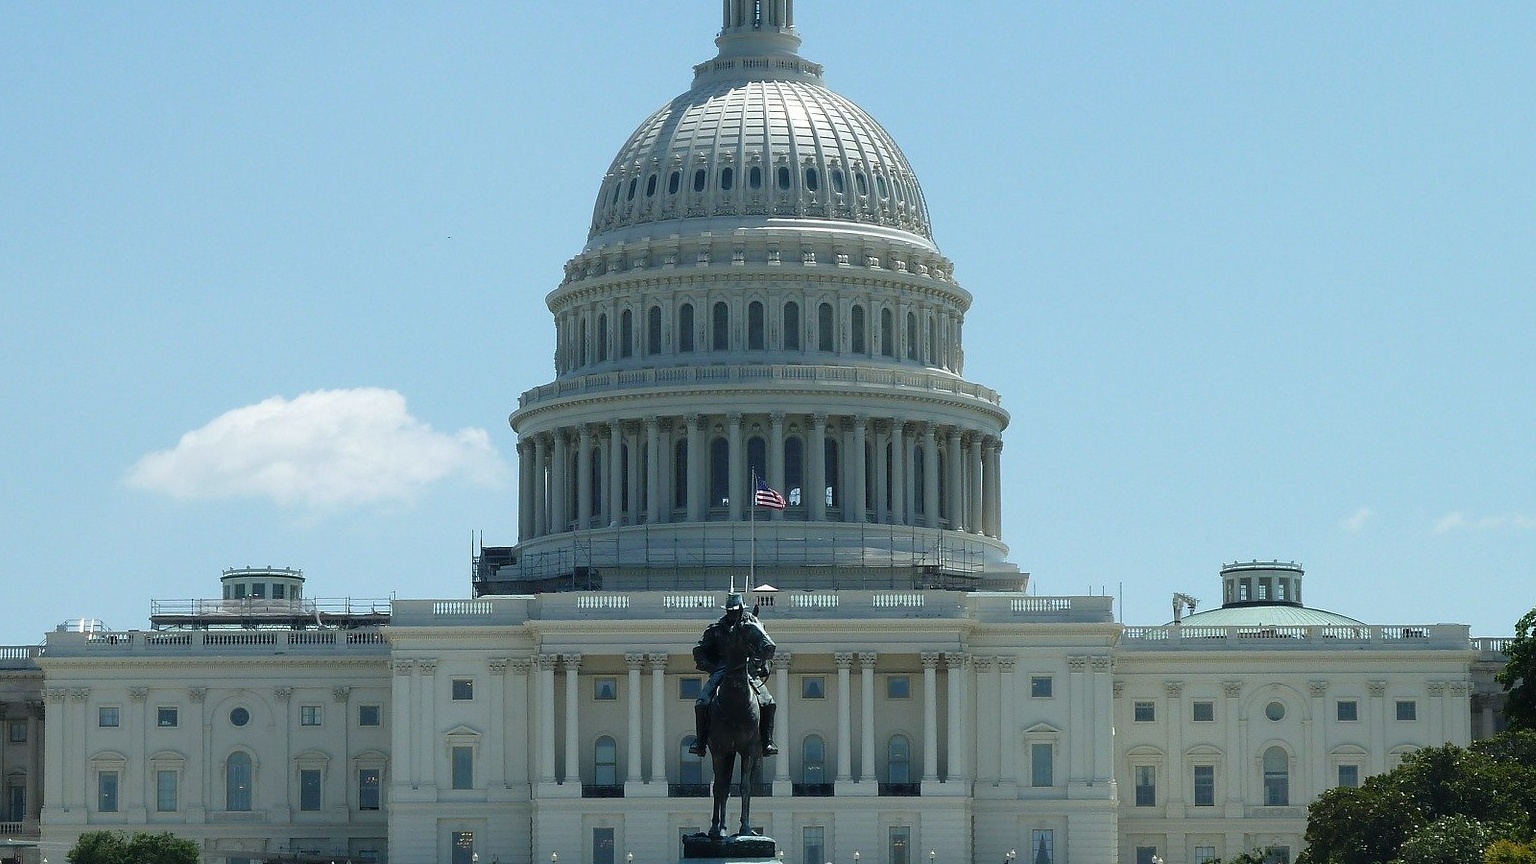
(635, 662)
(815, 493)
(781, 719)
(584, 477)
(844, 720)
(1377, 720)
(633, 477)
(426, 705)
(988, 758)
(1316, 722)
(653, 494)
(898, 473)
(1231, 692)
(882, 474)
(540, 486)
(776, 463)
(959, 520)
(1487, 712)
(930, 716)
(1178, 795)
(954, 677)
(1008, 727)
(1081, 734)
(658, 664)
(867, 715)
(524, 489)
(855, 472)
(1103, 745)
(53, 749)
(546, 762)
(930, 476)
(737, 461)
(978, 521)
(560, 484)
(696, 468)
(496, 741)
(572, 728)
(611, 457)
(996, 471)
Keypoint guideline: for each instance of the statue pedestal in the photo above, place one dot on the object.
(702, 847)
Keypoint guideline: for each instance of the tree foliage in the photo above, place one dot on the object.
(1509, 852)
(1448, 840)
(116, 847)
(1519, 675)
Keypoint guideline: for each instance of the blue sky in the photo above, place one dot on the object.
(1255, 281)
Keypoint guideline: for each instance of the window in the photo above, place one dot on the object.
(167, 718)
(1146, 786)
(899, 844)
(107, 716)
(813, 844)
(812, 182)
(627, 334)
(1277, 777)
(700, 178)
(898, 760)
(1349, 776)
(813, 760)
(1204, 854)
(1347, 711)
(719, 472)
(605, 762)
(1407, 709)
(602, 838)
(1275, 711)
(602, 338)
(309, 715)
(1144, 712)
(239, 717)
(721, 339)
(783, 177)
(650, 186)
(1040, 686)
(837, 179)
(674, 182)
(813, 687)
(463, 767)
(369, 715)
(16, 801)
(1146, 854)
(911, 336)
(463, 689)
(1203, 711)
(259, 590)
(309, 789)
(369, 783)
(898, 687)
(463, 847)
(755, 328)
(1205, 785)
(685, 327)
(690, 768)
(689, 688)
(278, 590)
(165, 791)
(237, 781)
(727, 178)
(824, 337)
(755, 177)
(856, 319)
(106, 791)
(653, 331)
(887, 334)
(16, 731)
(1042, 846)
(605, 689)
(1042, 764)
(791, 326)
(1277, 855)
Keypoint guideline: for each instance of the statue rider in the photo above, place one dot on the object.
(709, 657)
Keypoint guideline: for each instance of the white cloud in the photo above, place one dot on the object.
(1355, 522)
(1458, 521)
(329, 448)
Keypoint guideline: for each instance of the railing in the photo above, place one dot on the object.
(258, 606)
(688, 790)
(444, 608)
(20, 652)
(1040, 604)
(1492, 644)
(1189, 636)
(813, 601)
(156, 642)
(604, 790)
(901, 790)
(602, 601)
(893, 600)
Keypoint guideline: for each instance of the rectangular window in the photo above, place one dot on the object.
(1205, 785)
(1407, 709)
(259, 590)
(1040, 686)
(813, 843)
(369, 715)
(1203, 711)
(1144, 712)
(1042, 764)
(813, 687)
(463, 847)
(309, 715)
(165, 791)
(463, 689)
(1146, 786)
(1042, 846)
(1347, 711)
(898, 687)
(167, 718)
(1146, 854)
(463, 767)
(605, 689)
(309, 789)
(107, 716)
(899, 844)
(689, 688)
(602, 846)
(106, 792)
(1204, 854)
(369, 782)
(16, 731)
(15, 803)
(1349, 776)
(277, 590)
(1277, 855)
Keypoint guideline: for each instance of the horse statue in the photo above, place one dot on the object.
(734, 716)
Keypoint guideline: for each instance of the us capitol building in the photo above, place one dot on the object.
(760, 295)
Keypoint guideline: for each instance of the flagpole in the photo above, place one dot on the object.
(752, 534)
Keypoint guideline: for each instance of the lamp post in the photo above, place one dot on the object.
(629, 858)
(1012, 854)
(932, 854)
(474, 858)
(855, 856)
(554, 858)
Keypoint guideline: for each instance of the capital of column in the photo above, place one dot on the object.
(781, 659)
(1232, 689)
(548, 662)
(1005, 664)
(734, 418)
(197, 694)
(658, 662)
(497, 665)
(427, 667)
(930, 659)
(1077, 663)
(282, 694)
(1118, 688)
(404, 667)
(1174, 689)
(1103, 664)
(819, 420)
(843, 659)
(777, 417)
(136, 694)
(1437, 688)
(956, 660)
(700, 422)
(867, 659)
(521, 665)
(635, 662)
(572, 661)
(650, 424)
(982, 664)
(1318, 689)
(1376, 688)
(341, 694)
(860, 424)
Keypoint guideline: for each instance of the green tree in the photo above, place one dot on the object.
(1519, 675)
(1448, 840)
(116, 847)
(1509, 852)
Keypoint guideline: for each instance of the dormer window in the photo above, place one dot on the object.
(700, 177)
(650, 186)
(727, 178)
(755, 177)
(674, 182)
(837, 180)
(812, 182)
(783, 177)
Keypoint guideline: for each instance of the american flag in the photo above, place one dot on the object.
(766, 497)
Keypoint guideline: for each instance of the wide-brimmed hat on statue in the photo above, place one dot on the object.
(733, 601)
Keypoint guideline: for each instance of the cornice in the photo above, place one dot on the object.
(844, 276)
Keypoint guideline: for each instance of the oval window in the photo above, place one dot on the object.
(727, 178)
(674, 182)
(812, 182)
(700, 177)
(783, 177)
(858, 179)
(650, 186)
(880, 184)
(837, 179)
(633, 182)
(1275, 711)
(239, 717)
(755, 177)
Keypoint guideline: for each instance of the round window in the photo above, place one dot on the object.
(1275, 711)
(239, 716)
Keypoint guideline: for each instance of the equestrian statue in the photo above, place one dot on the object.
(734, 711)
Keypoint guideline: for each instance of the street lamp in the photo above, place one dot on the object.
(629, 858)
(1012, 854)
(554, 858)
(781, 856)
(855, 856)
(932, 854)
(474, 857)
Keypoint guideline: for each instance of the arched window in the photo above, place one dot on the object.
(919, 500)
(653, 331)
(813, 760)
(602, 338)
(837, 179)
(880, 184)
(898, 760)
(722, 327)
(727, 178)
(1277, 777)
(887, 333)
(755, 326)
(627, 334)
(933, 342)
(858, 179)
(674, 182)
(605, 762)
(794, 470)
(650, 186)
(825, 340)
(584, 357)
(755, 177)
(856, 318)
(719, 472)
(783, 177)
(690, 768)
(680, 475)
(812, 182)
(700, 177)
(911, 336)
(757, 456)
(633, 182)
(685, 327)
(791, 326)
(237, 782)
(834, 489)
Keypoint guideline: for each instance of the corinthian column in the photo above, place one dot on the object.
(737, 465)
(815, 496)
(572, 728)
(635, 662)
(867, 709)
(652, 472)
(930, 476)
(844, 719)
(540, 487)
(955, 481)
(898, 473)
(615, 473)
(930, 716)
(776, 463)
(524, 489)
(559, 483)
(696, 490)
(584, 477)
(855, 471)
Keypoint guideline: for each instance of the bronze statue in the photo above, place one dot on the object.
(734, 711)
